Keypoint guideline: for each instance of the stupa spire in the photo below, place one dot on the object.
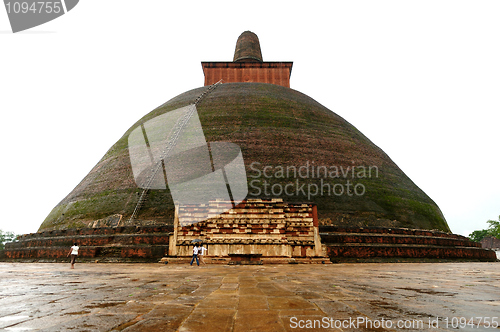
(248, 48)
(247, 66)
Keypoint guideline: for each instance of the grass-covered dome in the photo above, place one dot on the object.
(279, 130)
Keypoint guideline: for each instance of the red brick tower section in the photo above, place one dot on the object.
(248, 66)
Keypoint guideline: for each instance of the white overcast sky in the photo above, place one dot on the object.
(421, 79)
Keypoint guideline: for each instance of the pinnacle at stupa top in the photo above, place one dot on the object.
(248, 48)
(247, 66)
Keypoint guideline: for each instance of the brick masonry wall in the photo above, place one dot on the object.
(268, 226)
(490, 242)
(427, 252)
(248, 72)
(146, 243)
(379, 242)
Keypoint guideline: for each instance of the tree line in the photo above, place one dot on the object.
(493, 230)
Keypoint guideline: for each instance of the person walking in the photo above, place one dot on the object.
(195, 255)
(74, 253)
(201, 253)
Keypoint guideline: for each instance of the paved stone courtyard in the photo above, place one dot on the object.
(156, 297)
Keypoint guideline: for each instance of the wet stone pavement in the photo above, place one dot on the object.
(337, 297)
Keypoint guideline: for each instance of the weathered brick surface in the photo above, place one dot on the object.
(490, 242)
(258, 225)
(120, 243)
(378, 242)
(122, 253)
(246, 72)
(96, 240)
(100, 231)
(396, 239)
(392, 251)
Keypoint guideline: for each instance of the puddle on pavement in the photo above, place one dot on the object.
(430, 292)
(384, 305)
(78, 313)
(103, 305)
(416, 314)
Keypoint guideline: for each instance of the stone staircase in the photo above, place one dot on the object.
(273, 228)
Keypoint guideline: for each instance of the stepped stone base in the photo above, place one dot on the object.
(264, 260)
(105, 244)
(378, 243)
(282, 233)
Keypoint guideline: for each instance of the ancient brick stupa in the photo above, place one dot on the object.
(313, 185)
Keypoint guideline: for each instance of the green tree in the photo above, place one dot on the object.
(477, 236)
(493, 230)
(6, 237)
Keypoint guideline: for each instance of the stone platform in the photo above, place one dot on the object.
(105, 244)
(264, 260)
(339, 244)
(156, 297)
(378, 243)
(280, 232)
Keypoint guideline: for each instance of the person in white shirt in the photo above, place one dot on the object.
(195, 256)
(74, 253)
(201, 252)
